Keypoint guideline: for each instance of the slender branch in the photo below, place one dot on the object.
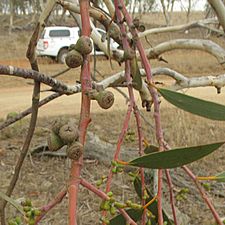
(219, 8)
(35, 100)
(45, 209)
(201, 190)
(97, 14)
(28, 111)
(159, 133)
(191, 25)
(25, 148)
(195, 44)
(110, 7)
(104, 196)
(170, 185)
(39, 77)
(61, 73)
(203, 194)
(181, 81)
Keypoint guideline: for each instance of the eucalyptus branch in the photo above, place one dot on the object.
(110, 7)
(159, 133)
(194, 44)
(170, 185)
(104, 196)
(97, 14)
(204, 195)
(25, 148)
(181, 81)
(28, 111)
(35, 101)
(196, 24)
(39, 77)
(45, 209)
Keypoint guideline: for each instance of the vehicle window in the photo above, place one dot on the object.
(59, 33)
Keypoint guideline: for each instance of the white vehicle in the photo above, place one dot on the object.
(55, 41)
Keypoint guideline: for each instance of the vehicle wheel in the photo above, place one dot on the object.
(62, 55)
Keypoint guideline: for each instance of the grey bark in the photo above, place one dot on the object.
(219, 8)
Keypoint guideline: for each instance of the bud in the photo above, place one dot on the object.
(54, 142)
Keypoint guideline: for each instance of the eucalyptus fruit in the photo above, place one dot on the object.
(74, 59)
(75, 150)
(84, 45)
(68, 133)
(104, 98)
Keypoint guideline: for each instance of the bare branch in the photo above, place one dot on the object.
(40, 77)
(28, 111)
(188, 26)
(110, 7)
(97, 14)
(219, 8)
(182, 82)
(195, 44)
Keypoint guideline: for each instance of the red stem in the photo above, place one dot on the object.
(104, 196)
(45, 209)
(85, 79)
(170, 185)
(159, 133)
(203, 194)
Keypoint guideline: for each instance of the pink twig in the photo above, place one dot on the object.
(159, 133)
(203, 194)
(104, 196)
(85, 79)
(170, 185)
(45, 209)
(201, 190)
(95, 190)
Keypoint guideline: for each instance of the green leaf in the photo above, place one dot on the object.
(194, 105)
(12, 202)
(220, 177)
(153, 207)
(133, 213)
(151, 149)
(135, 72)
(175, 157)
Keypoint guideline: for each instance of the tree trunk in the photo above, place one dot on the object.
(189, 10)
(11, 16)
(165, 12)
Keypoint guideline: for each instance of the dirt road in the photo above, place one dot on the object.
(19, 98)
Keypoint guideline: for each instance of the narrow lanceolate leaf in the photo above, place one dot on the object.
(136, 74)
(153, 208)
(12, 202)
(133, 213)
(175, 157)
(220, 177)
(194, 105)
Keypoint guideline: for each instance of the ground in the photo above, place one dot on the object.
(42, 177)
